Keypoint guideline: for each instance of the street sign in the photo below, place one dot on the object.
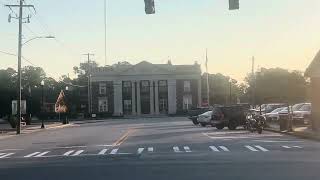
(23, 107)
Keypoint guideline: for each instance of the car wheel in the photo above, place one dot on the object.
(220, 126)
(232, 125)
(203, 125)
(195, 122)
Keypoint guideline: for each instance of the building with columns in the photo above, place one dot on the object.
(145, 88)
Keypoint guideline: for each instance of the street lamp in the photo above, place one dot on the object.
(38, 37)
(42, 85)
(66, 121)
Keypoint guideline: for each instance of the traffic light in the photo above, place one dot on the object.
(149, 7)
(234, 4)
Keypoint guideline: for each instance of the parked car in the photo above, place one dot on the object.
(194, 113)
(283, 114)
(205, 118)
(303, 114)
(230, 116)
(268, 108)
(273, 115)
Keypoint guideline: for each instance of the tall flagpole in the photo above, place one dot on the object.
(208, 88)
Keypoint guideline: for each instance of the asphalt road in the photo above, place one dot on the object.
(158, 149)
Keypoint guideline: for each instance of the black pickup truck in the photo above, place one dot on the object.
(229, 116)
(194, 113)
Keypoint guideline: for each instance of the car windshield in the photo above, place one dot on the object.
(306, 107)
(296, 107)
(277, 110)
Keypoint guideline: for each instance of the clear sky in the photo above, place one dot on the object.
(279, 33)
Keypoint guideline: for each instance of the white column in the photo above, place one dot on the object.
(133, 101)
(156, 94)
(199, 93)
(138, 99)
(172, 96)
(151, 98)
(117, 97)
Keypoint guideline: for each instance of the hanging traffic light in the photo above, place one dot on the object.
(149, 7)
(234, 4)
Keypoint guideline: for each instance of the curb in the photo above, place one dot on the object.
(300, 135)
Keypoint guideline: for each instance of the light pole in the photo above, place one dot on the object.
(67, 106)
(230, 84)
(38, 37)
(42, 85)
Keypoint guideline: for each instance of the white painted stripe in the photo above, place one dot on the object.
(262, 148)
(287, 147)
(114, 151)
(103, 151)
(187, 149)
(140, 150)
(77, 153)
(150, 149)
(251, 148)
(176, 149)
(298, 147)
(42, 154)
(213, 148)
(2, 154)
(32, 154)
(6, 155)
(224, 148)
(68, 153)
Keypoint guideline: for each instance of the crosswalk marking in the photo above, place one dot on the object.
(262, 148)
(213, 148)
(287, 147)
(5, 155)
(114, 151)
(103, 151)
(176, 149)
(140, 150)
(224, 148)
(68, 153)
(77, 153)
(251, 148)
(187, 149)
(32, 154)
(150, 149)
(297, 147)
(42, 154)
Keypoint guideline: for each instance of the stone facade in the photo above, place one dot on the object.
(145, 88)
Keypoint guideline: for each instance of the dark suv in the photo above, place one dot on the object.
(231, 116)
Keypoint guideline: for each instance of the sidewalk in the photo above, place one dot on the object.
(302, 131)
(6, 130)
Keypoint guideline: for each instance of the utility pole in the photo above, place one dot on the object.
(254, 82)
(105, 32)
(89, 83)
(20, 18)
(208, 86)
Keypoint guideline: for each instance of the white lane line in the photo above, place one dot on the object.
(114, 151)
(32, 154)
(287, 147)
(297, 147)
(77, 153)
(42, 154)
(213, 148)
(251, 148)
(262, 148)
(103, 151)
(140, 150)
(68, 153)
(11, 150)
(2, 154)
(224, 148)
(6, 155)
(187, 149)
(104, 145)
(176, 149)
(150, 149)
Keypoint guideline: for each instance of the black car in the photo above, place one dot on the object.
(229, 116)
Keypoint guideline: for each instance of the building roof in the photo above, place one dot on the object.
(314, 68)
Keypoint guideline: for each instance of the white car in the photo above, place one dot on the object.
(205, 118)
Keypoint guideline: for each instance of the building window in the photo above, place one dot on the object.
(103, 88)
(163, 86)
(187, 102)
(103, 105)
(163, 105)
(127, 86)
(127, 106)
(145, 87)
(186, 86)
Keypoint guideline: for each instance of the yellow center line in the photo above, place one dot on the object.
(123, 137)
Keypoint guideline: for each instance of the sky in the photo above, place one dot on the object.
(283, 33)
